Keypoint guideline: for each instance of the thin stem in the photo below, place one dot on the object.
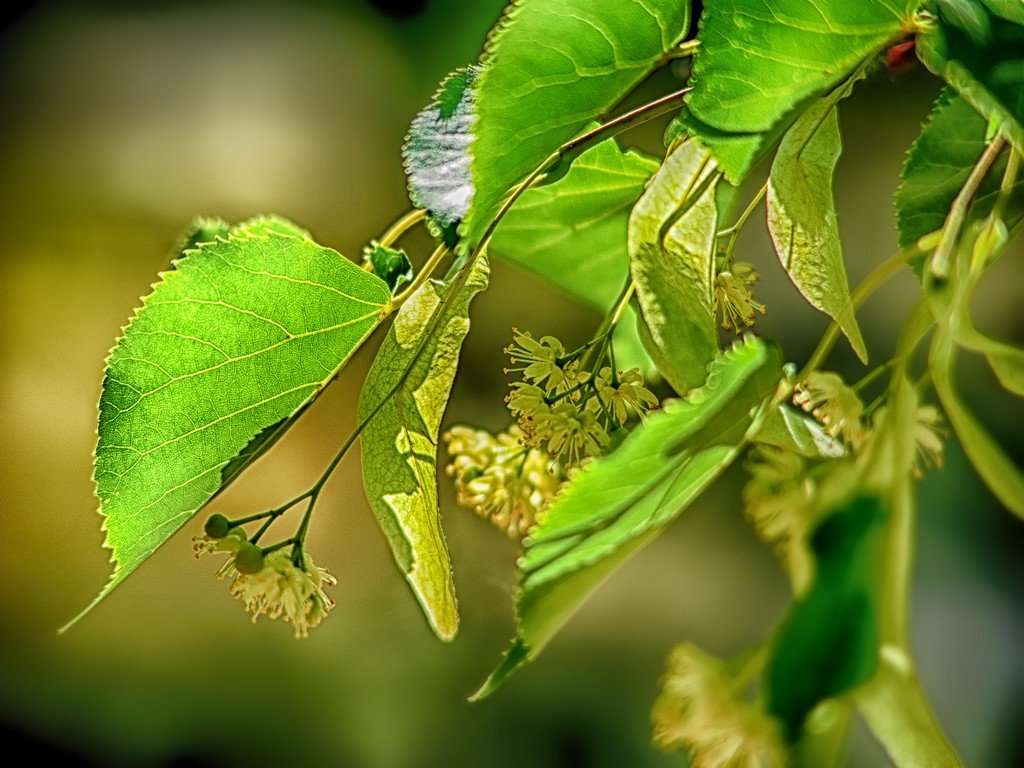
(400, 227)
(734, 231)
(1008, 182)
(623, 303)
(279, 545)
(958, 212)
(272, 515)
(878, 276)
(421, 277)
(684, 50)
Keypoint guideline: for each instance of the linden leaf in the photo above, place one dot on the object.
(758, 62)
(619, 502)
(802, 216)
(237, 339)
(937, 166)
(551, 67)
(671, 256)
(403, 400)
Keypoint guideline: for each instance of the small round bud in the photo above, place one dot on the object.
(249, 559)
(217, 526)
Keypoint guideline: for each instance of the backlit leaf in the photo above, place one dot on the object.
(802, 216)
(240, 336)
(404, 398)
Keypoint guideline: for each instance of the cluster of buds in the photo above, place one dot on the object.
(733, 299)
(701, 710)
(269, 582)
(499, 478)
(834, 405)
(566, 412)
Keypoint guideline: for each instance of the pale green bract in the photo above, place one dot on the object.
(802, 216)
(571, 234)
(620, 502)
(549, 68)
(235, 340)
(402, 402)
(672, 234)
(759, 61)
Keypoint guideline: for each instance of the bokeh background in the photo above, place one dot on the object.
(123, 120)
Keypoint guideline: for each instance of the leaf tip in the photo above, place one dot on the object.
(515, 657)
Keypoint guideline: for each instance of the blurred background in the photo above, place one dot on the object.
(124, 120)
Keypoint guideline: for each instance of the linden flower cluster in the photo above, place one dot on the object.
(564, 411)
(270, 584)
(834, 405)
(733, 299)
(699, 710)
(777, 500)
(500, 479)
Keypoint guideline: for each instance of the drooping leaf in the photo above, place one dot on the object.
(572, 234)
(758, 62)
(240, 336)
(404, 398)
(620, 502)
(828, 644)
(671, 257)
(549, 68)
(802, 216)
(437, 151)
(937, 166)
(980, 53)
(391, 265)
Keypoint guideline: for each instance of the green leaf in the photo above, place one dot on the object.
(672, 259)
(937, 166)
(802, 216)
(900, 717)
(758, 62)
(793, 430)
(391, 265)
(238, 338)
(403, 400)
(621, 501)
(437, 151)
(572, 235)
(980, 53)
(828, 643)
(550, 67)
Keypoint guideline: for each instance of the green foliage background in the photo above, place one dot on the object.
(122, 122)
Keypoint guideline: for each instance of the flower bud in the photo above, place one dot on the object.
(217, 526)
(249, 559)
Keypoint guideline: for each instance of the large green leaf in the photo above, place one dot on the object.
(758, 62)
(403, 400)
(620, 502)
(802, 216)
(672, 259)
(572, 235)
(828, 644)
(981, 54)
(549, 68)
(240, 336)
(938, 165)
